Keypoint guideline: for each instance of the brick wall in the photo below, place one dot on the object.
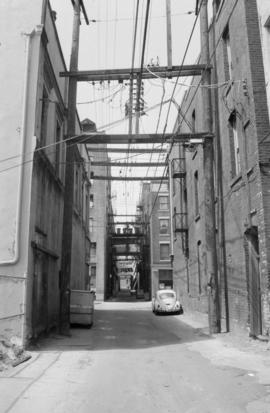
(246, 195)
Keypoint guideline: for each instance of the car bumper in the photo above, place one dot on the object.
(170, 310)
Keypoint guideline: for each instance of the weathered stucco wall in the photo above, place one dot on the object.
(20, 43)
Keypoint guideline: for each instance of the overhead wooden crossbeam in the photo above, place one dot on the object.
(92, 138)
(126, 254)
(126, 236)
(128, 164)
(127, 223)
(122, 215)
(128, 178)
(125, 150)
(125, 74)
(124, 241)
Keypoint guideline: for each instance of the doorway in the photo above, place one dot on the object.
(254, 290)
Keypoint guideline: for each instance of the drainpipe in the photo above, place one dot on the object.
(219, 172)
(171, 209)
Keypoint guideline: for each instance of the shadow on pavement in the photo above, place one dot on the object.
(124, 329)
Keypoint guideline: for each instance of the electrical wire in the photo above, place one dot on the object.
(130, 18)
(170, 102)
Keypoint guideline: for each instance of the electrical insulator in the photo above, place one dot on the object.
(245, 87)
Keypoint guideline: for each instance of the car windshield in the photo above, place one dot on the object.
(166, 294)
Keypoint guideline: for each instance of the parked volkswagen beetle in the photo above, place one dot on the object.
(165, 302)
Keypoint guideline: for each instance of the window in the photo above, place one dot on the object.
(234, 145)
(163, 202)
(44, 117)
(93, 274)
(58, 133)
(165, 279)
(93, 249)
(77, 188)
(164, 252)
(199, 266)
(193, 121)
(163, 226)
(91, 224)
(196, 193)
(91, 200)
(93, 271)
(227, 54)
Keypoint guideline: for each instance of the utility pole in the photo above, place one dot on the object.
(132, 68)
(209, 198)
(69, 178)
(169, 33)
(139, 76)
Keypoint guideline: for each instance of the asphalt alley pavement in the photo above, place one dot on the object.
(133, 361)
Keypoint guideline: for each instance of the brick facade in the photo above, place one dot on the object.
(241, 166)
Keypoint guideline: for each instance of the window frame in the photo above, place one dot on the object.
(163, 244)
(168, 226)
(160, 203)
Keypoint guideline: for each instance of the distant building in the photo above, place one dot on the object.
(240, 116)
(33, 126)
(154, 207)
(100, 208)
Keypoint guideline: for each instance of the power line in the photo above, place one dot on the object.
(170, 101)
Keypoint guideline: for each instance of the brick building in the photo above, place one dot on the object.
(100, 208)
(155, 213)
(241, 172)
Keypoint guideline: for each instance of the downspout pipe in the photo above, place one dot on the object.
(171, 209)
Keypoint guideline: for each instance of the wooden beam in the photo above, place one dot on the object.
(128, 178)
(125, 150)
(126, 254)
(124, 241)
(126, 236)
(127, 223)
(125, 74)
(161, 138)
(122, 215)
(83, 10)
(128, 164)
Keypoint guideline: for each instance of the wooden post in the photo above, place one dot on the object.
(130, 129)
(169, 33)
(209, 197)
(69, 179)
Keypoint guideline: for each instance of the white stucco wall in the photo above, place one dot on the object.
(20, 32)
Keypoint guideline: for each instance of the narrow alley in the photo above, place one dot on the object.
(135, 206)
(134, 361)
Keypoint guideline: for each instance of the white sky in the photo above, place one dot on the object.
(107, 43)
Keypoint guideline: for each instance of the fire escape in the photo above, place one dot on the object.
(180, 218)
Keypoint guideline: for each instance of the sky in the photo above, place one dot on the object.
(106, 43)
